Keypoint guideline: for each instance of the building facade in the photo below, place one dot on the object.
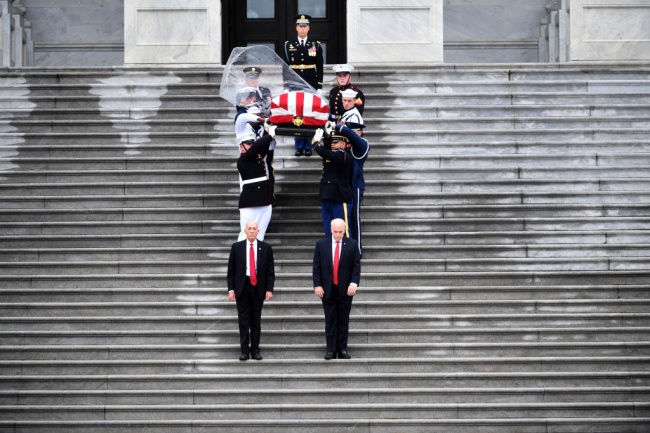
(89, 33)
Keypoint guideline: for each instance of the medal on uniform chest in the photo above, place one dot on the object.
(312, 51)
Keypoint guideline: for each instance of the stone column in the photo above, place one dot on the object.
(402, 31)
(606, 30)
(172, 32)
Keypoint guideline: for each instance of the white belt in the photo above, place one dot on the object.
(257, 179)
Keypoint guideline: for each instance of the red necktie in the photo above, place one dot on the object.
(335, 275)
(251, 258)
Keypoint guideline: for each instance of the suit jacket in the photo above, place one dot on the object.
(349, 265)
(236, 275)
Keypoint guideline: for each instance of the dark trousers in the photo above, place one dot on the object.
(337, 320)
(249, 312)
(355, 217)
(302, 143)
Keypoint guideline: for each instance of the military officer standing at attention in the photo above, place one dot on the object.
(343, 81)
(305, 57)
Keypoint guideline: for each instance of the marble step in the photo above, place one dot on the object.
(307, 212)
(370, 279)
(223, 110)
(191, 338)
(310, 186)
(441, 372)
(322, 411)
(342, 395)
(187, 148)
(315, 350)
(314, 223)
(302, 293)
(370, 253)
(622, 238)
(315, 322)
(417, 163)
(300, 309)
(286, 174)
(370, 198)
(362, 425)
(378, 266)
(375, 125)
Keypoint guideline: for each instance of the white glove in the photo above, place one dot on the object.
(320, 92)
(270, 128)
(329, 127)
(318, 136)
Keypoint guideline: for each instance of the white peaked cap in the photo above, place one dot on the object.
(349, 93)
(343, 68)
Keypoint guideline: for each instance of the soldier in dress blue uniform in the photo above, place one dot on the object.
(305, 57)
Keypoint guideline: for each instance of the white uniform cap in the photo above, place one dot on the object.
(349, 93)
(342, 68)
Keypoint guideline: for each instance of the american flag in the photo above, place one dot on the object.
(310, 108)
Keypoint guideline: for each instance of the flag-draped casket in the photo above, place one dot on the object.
(299, 109)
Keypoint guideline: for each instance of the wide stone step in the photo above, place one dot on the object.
(379, 266)
(199, 124)
(498, 110)
(293, 350)
(280, 225)
(303, 213)
(283, 293)
(316, 411)
(488, 425)
(65, 340)
(312, 185)
(457, 372)
(341, 395)
(297, 253)
(300, 309)
(302, 323)
(105, 280)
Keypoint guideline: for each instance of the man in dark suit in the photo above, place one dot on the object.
(335, 282)
(251, 275)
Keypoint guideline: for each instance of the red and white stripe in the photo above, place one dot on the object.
(313, 109)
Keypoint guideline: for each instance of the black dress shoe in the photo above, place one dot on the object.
(329, 355)
(243, 357)
(257, 357)
(344, 355)
(308, 153)
(299, 152)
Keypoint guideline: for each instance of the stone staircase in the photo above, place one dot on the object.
(505, 280)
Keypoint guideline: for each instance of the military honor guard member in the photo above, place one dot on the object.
(262, 94)
(305, 57)
(343, 80)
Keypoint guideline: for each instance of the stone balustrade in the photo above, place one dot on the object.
(16, 45)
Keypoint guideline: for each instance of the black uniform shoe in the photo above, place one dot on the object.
(257, 357)
(329, 355)
(243, 357)
(308, 153)
(344, 355)
(299, 152)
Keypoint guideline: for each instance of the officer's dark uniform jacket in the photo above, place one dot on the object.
(256, 189)
(336, 100)
(306, 61)
(337, 173)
